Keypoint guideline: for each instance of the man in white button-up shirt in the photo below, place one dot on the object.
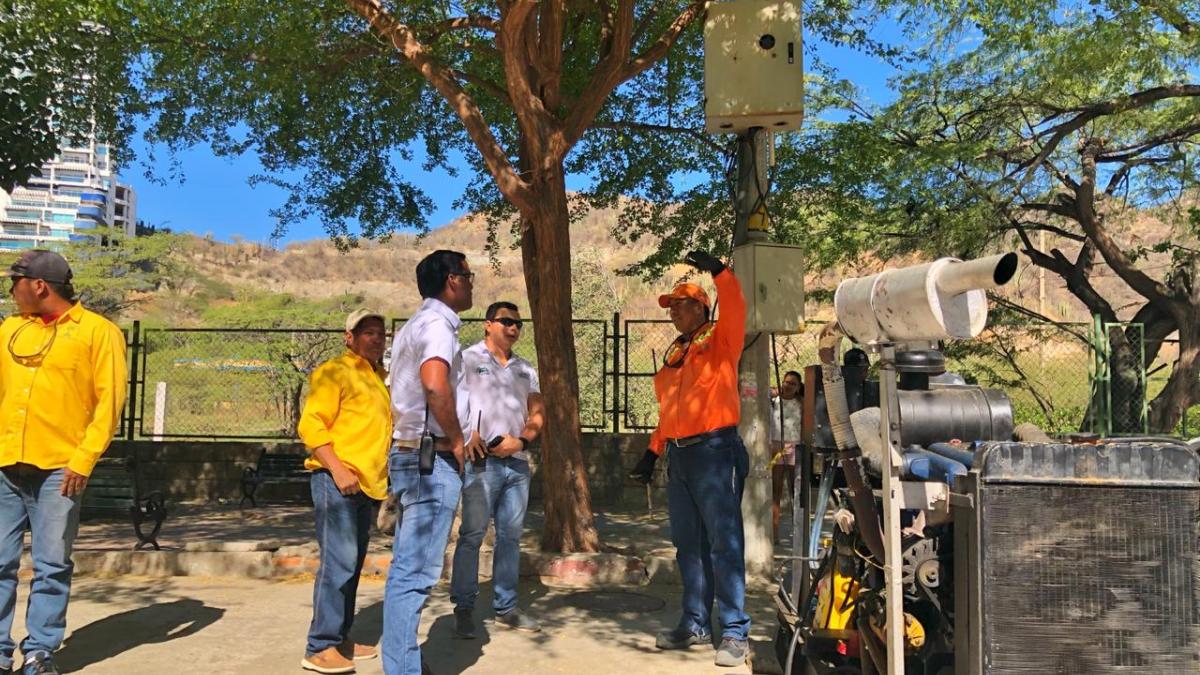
(425, 366)
(504, 412)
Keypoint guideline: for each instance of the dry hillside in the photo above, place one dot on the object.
(383, 271)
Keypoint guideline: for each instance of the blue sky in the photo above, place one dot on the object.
(215, 196)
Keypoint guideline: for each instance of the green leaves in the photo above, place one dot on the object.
(58, 76)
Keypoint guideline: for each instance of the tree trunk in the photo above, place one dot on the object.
(1183, 386)
(546, 256)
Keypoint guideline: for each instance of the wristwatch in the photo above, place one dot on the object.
(524, 443)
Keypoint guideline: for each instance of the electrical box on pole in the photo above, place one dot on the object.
(753, 66)
(772, 277)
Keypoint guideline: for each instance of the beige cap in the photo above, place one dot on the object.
(358, 315)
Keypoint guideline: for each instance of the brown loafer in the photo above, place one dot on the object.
(328, 661)
(357, 652)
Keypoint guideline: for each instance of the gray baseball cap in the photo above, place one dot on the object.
(41, 264)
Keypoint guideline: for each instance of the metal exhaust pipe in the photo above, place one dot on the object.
(984, 273)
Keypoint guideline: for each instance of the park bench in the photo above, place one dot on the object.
(112, 490)
(273, 468)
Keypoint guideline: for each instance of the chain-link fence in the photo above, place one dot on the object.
(228, 383)
(251, 383)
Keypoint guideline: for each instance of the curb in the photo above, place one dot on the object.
(269, 560)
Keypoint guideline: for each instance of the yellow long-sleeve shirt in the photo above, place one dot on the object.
(63, 388)
(348, 407)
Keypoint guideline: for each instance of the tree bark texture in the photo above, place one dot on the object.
(546, 256)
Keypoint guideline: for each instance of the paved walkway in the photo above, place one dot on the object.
(185, 625)
(127, 624)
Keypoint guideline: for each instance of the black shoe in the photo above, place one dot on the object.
(732, 652)
(464, 623)
(679, 638)
(39, 663)
(518, 621)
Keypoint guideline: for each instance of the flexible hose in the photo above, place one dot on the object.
(843, 435)
(814, 536)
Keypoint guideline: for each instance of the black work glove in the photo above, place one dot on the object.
(704, 262)
(644, 471)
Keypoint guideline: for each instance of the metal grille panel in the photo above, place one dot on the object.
(1102, 580)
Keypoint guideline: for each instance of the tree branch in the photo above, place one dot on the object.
(605, 77)
(1171, 15)
(696, 134)
(550, 43)
(433, 31)
(1087, 113)
(1129, 152)
(663, 44)
(533, 120)
(1113, 254)
(442, 78)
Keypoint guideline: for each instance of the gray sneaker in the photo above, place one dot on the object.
(39, 663)
(518, 621)
(732, 652)
(464, 623)
(679, 638)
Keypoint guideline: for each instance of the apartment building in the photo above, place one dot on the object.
(77, 191)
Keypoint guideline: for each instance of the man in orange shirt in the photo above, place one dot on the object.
(699, 409)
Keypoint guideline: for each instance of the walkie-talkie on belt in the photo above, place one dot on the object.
(425, 449)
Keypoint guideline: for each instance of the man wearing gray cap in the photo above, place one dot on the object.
(63, 380)
(346, 425)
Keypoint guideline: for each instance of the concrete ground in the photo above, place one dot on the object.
(184, 625)
(205, 609)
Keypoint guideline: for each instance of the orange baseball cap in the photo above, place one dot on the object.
(684, 291)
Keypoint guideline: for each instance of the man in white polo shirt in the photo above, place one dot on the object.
(425, 367)
(504, 413)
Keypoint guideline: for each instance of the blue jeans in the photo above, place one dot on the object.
(426, 510)
(501, 489)
(31, 499)
(704, 500)
(343, 530)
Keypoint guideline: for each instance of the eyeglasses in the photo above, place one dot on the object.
(469, 276)
(676, 353)
(509, 322)
(12, 341)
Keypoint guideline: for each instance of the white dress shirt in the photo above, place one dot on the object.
(431, 333)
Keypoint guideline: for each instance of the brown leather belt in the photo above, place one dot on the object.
(410, 445)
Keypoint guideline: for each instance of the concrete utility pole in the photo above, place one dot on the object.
(754, 371)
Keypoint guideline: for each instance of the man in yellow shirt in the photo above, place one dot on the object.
(62, 388)
(347, 427)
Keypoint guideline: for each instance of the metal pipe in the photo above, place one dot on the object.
(981, 274)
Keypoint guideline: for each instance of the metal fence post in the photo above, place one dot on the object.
(132, 364)
(616, 371)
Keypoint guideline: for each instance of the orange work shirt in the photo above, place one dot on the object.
(702, 394)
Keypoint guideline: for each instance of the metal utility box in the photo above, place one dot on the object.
(772, 278)
(753, 67)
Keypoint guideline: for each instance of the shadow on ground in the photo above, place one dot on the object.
(161, 622)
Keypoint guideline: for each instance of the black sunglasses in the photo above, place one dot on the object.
(509, 322)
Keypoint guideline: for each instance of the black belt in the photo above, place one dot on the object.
(700, 438)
